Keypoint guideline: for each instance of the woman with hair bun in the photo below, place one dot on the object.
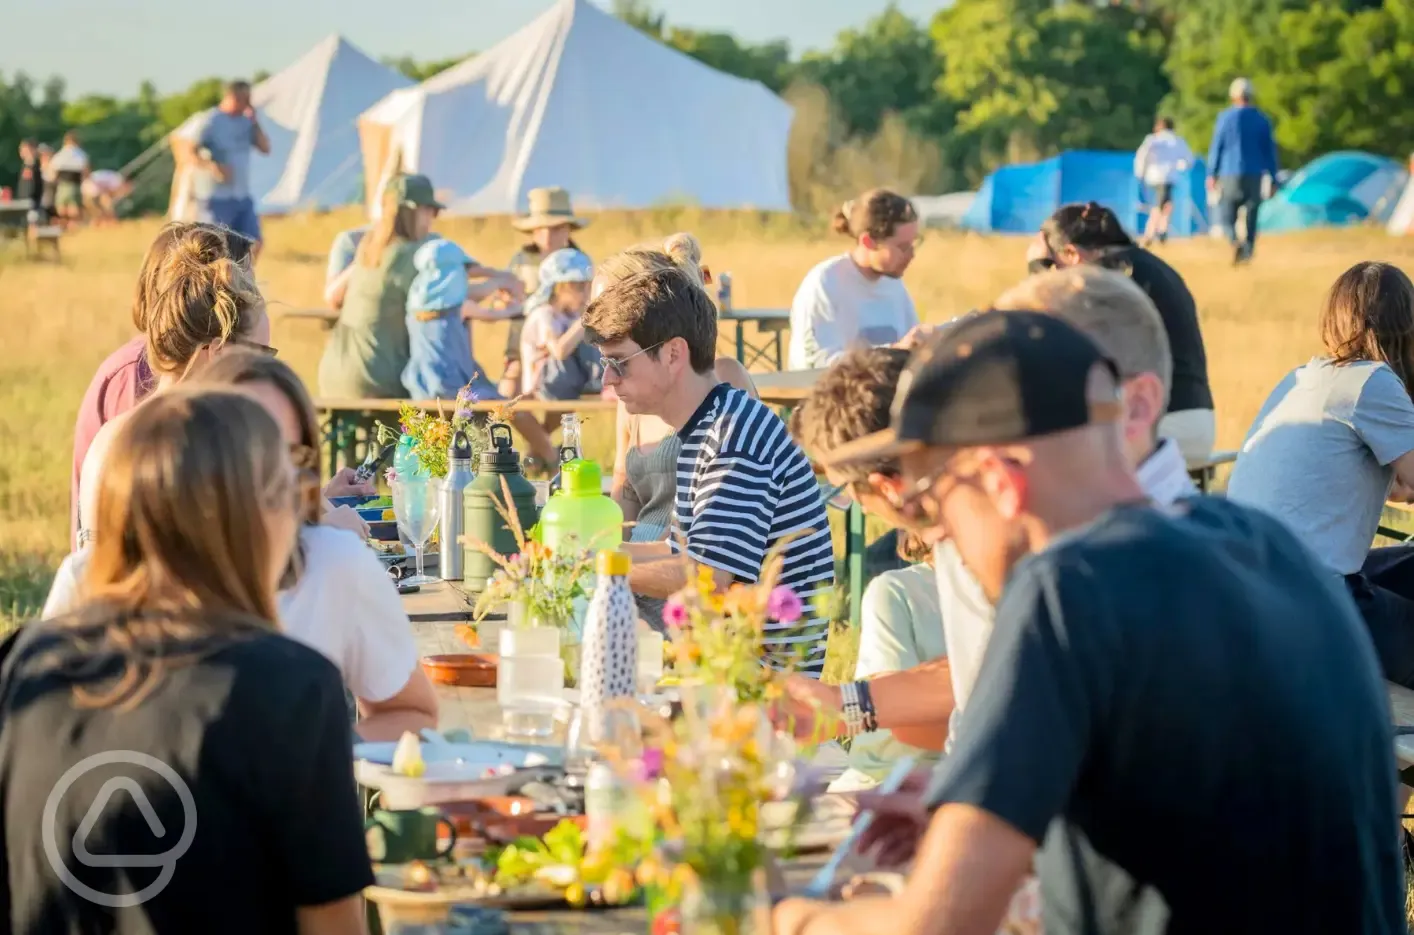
(1091, 233)
(858, 296)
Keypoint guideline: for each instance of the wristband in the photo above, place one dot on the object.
(852, 710)
(866, 706)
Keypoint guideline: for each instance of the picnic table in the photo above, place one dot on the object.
(436, 611)
(771, 325)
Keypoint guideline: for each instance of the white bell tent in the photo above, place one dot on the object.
(580, 99)
(310, 112)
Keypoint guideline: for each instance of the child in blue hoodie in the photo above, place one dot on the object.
(440, 360)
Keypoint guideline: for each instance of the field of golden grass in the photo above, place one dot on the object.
(60, 320)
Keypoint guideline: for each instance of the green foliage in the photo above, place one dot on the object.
(421, 71)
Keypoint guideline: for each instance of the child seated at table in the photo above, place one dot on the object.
(440, 361)
(558, 362)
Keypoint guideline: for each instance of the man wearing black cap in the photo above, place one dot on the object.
(1177, 708)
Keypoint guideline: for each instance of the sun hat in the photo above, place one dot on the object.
(440, 279)
(549, 207)
(567, 265)
(991, 378)
(415, 191)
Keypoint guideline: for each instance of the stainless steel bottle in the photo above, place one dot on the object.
(449, 562)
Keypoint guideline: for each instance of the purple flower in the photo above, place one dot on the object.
(463, 415)
(650, 766)
(783, 605)
(391, 475)
(675, 612)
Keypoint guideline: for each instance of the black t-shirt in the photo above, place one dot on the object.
(1180, 314)
(1186, 712)
(257, 733)
(30, 183)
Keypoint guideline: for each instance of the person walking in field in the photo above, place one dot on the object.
(1160, 163)
(218, 145)
(1242, 166)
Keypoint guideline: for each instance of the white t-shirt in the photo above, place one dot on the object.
(343, 605)
(69, 158)
(837, 306)
(543, 324)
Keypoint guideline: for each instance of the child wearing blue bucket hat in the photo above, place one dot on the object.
(440, 361)
(558, 363)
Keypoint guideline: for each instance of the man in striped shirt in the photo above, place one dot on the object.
(743, 485)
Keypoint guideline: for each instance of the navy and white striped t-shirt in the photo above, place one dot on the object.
(743, 484)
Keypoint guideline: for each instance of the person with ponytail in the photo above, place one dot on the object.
(1091, 233)
(645, 447)
(125, 378)
(858, 296)
(171, 678)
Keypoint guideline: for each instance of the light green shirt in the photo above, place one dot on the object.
(901, 627)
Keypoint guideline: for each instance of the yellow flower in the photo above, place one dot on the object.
(705, 580)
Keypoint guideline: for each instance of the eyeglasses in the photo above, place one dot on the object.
(620, 365)
(257, 346)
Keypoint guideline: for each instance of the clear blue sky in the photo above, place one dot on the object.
(109, 46)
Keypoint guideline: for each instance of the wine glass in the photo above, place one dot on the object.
(416, 502)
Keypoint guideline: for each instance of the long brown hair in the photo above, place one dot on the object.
(1369, 315)
(180, 539)
(396, 222)
(200, 298)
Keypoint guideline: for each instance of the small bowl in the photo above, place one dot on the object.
(502, 819)
(464, 670)
(384, 529)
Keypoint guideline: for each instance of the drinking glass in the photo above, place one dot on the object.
(416, 503)
(530, 689)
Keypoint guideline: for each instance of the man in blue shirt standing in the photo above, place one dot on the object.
(218, 144)
(1241, 156)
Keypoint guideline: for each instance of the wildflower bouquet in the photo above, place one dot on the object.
(719, 638)
(431, 433)
(544, 583)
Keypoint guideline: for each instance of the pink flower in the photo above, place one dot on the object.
(675, 612)
(650, 767)
(783, 605)
(391, 476)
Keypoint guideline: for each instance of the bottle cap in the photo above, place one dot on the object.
(581, 477)
(613, 563)
(499, 457)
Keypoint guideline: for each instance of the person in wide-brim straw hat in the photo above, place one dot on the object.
(549, 222)
(549, 208)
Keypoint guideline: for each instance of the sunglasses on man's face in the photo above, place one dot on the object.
(620, 364)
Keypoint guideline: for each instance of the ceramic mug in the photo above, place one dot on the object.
(397, 837)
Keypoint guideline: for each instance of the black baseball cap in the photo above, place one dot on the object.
(991, 378)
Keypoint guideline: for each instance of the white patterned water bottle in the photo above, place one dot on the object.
(609, 651)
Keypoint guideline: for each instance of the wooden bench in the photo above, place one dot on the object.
(43, 238)
(325, 316)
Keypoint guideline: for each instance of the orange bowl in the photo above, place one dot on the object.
(463, 670)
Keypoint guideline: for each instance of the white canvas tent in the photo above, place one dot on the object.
(579, 99)
(309, 111)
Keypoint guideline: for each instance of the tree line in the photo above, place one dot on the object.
(935, 106)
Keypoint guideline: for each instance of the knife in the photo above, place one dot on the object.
(819, 886)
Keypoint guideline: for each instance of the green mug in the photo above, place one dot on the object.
(407, 834)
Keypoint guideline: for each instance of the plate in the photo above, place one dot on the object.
(465, 670)
(486, 753)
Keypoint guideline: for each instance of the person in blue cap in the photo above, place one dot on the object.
(441, 363)
(559, 363)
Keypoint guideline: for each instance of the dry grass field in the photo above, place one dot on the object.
(60, 320)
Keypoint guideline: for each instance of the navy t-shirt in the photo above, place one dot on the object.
(1185, 711)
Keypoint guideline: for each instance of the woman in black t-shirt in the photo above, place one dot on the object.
(1091, 233)
(169, 763)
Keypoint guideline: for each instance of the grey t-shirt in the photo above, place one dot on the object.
(229, 137)
(1319, 456)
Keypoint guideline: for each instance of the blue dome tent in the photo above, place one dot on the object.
(1336, 190)
(1016, 199)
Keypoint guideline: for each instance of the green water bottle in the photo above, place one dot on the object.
(580, 516)
(499, 473)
